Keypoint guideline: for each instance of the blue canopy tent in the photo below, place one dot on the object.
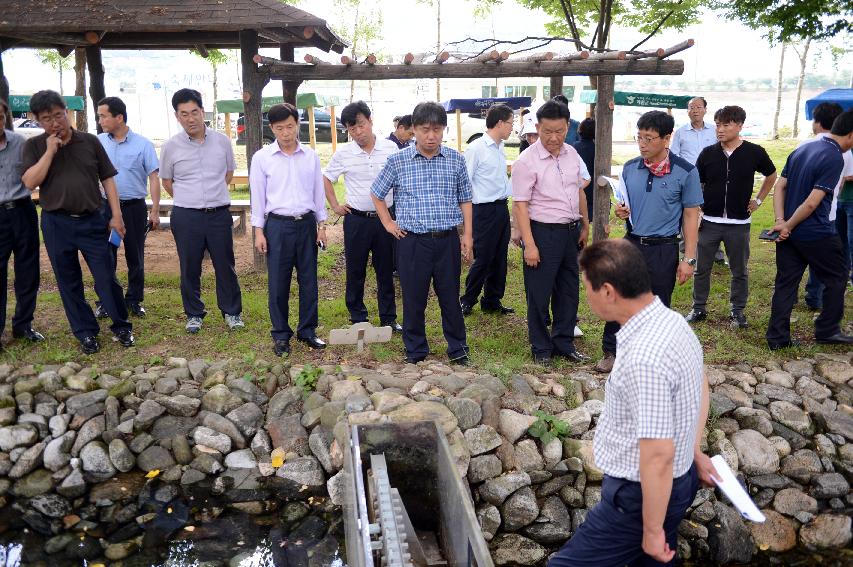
(844, 97)
(478, 107)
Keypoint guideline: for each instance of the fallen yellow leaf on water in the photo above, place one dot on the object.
(277, 457)
(152, 474)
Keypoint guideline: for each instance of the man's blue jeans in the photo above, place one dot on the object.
(844, 227)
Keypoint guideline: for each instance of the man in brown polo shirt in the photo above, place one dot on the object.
(67, 167)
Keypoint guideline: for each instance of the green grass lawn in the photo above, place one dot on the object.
(498, 344)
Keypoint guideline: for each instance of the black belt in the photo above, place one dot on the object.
(654, 240)
(71, 214)
(210, 209)
(307, 216)
(563, 225)
(131, 201)
(16, 203)
(434, 233)
(368, 214)
(497, 202)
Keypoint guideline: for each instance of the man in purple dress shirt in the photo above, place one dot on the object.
(289, 217)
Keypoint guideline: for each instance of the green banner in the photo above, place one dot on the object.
(21, 103)
(303, 100)
(623, 98)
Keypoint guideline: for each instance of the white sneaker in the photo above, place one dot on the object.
(234, 322)
(578, 332)
(193, 325)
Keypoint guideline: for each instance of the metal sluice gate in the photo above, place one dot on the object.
(405, 504)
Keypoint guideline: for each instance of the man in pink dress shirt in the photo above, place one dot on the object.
(550, 212)
(289, 218)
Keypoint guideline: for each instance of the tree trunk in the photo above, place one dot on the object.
(61, 88)
(96, 77)
(80, 87)
(438, 46)
(775, 134)
(4, 94)
(215, 120)
(603, 157)
(803, 59)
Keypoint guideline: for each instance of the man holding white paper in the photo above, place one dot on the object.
(648, 437)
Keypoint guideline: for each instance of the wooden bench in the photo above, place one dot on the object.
(241, 177)
(240, 210)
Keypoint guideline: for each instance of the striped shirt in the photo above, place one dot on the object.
(427, 191)
(359, 169)
(653, 392)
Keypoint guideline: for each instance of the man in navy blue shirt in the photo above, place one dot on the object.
(802, 201)
(432, 195)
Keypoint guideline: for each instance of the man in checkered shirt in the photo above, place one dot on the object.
(432, 195)
(648, 436)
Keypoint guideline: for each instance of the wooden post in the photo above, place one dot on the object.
(520, 119)
(288, 88)
(72, 116)
(556, 86)
(333, 127)
(253, 86)
(80, 86)
(228, 124)
(96, 75)
(603, 156)
(312, 134)
(4, 92)
(458, 129)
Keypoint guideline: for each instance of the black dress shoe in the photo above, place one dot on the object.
(466, 309)
(395, 327)
(573, 356)
(313, 342)
(29, 334)
(414, 359)
(461, 361)
(125, 338)
(500, 310)
(136, 309)
(542, 359)
(739, 320)
(836, 339)
(101, 313)
(695, 316)
(281, 347)
(779, 346)
(90, 345)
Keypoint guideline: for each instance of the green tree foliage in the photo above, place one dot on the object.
(55, 61)
(792, 20)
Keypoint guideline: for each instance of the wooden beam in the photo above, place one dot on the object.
(370, 59)
(302, 72)
(262, 60)
(94, 37)
(202, 50)
(536, 57)
(347, 60)
(643, 54)
(97, 91)
(579, 56)
(556, 86)
(314, 60)
(603, 156)
(408, 58)
(441, 57)
(288, 88)
(492, 55)
(48, 40)
(607, 56)
(4, 93)
(312, 131)
(65, 50)
(686, 44)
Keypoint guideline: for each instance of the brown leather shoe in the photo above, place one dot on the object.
(605, 365)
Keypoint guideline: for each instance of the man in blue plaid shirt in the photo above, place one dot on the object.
(432, 196)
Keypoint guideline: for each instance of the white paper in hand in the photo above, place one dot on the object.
(735, 492)
(620, 193)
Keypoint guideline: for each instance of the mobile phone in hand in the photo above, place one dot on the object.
(768, 235)
(149, 227)
(115, 238)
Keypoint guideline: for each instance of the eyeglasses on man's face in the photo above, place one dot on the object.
(645, 139)
(50, 119)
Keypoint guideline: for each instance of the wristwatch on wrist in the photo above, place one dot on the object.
(690, 262)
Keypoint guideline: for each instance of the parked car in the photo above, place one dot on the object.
(27, 127)
(322, 121)
(473, 127)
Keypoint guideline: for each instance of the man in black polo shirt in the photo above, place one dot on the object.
(66, 166)
(726, 171)
(807, 237)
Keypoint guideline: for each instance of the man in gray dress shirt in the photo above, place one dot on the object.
(19, 235)
(196, 167)
(648, 437)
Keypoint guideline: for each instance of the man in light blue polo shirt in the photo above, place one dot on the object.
(689, 140)
(659, 194)
(486, 165)
(134, 157)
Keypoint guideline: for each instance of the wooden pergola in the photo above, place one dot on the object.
(493, 64)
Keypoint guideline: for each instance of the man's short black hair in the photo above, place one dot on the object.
(619, 263)
(586, 129)
(553, 110)
(115, 106)
(429, 113)
(349, 115)
(730, 114)
(561, 98)
(843, 125)
(45, 101)
(702, 98)
(825, 114)
(281, 112)
(497, 113)
(186, 95)
(405, 121)
(658, 121)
